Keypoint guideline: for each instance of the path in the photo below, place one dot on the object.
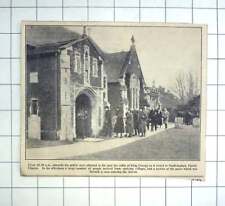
(84, 147)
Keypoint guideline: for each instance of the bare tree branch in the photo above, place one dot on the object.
(186, 86)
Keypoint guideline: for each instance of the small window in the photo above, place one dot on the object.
(95, 67)
(134, 98)
(124, 94)
(86, 49)
(33, 77)
(86, 57)
(86, 61)
(77, 62)
(86, 64)
(104, 82)
(34, 107)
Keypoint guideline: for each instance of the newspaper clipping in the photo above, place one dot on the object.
(113, 99)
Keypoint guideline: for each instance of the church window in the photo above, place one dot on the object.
(134, 92)
(34, 107)
(86, 64)
(77, 62)
(86, 59)
(104, 82)
(95, 67)
(134, 98)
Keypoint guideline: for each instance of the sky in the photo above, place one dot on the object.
(163, 52)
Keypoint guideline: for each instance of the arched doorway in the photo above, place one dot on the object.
(83, 116)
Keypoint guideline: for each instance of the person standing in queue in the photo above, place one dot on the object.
(154, 120)
(119, 125)
(129, 124)
(142, 123)
(136, 121)
(150, 118)
(165, 115)
(147, 112)
(159, 118)
(108, 122)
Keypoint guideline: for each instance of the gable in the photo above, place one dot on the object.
(132, 65)
(118, 64)
(90, 43)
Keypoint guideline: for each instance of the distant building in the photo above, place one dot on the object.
(152, 97)
(168, 99)
(69, 84)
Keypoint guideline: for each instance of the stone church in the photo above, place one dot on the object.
(69, 83)
(125, 79)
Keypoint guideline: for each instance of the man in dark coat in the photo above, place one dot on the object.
(147, 112)
(136, 120)
(119, 125)
(159, 118)
(129, 123)
(154, 120)
(142, 123)
(108, 123)
(150, 118)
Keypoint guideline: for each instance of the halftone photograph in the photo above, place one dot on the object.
(113, 99)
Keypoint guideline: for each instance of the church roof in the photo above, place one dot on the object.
(113, 64)
(54, 47)
(119, 63)
(40, 35)
(47, 47)
(42, 39)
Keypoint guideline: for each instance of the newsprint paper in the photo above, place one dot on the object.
(106, 99)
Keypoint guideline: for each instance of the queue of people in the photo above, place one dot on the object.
(135, 123)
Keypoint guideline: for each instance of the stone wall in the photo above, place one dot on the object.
(45, 91)
(66, 132)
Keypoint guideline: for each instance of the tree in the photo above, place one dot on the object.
(180, 87)
(186, 86)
